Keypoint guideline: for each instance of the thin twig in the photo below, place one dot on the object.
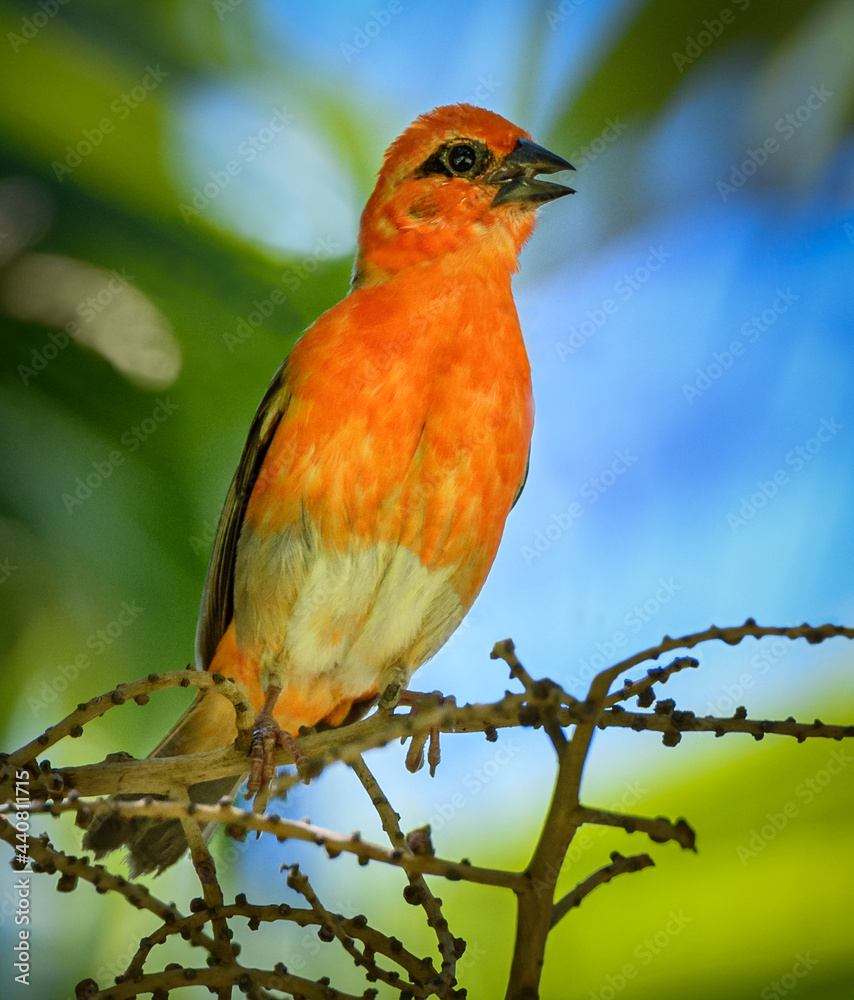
(218, 977)
(356, 927)
(450, 947)
(672, 723)
(658, 830)
(49, 859)
(731, 635)
(619, 866)
(285, 829)
(542, 691)
(211, 890)
(72, 725)
(331, 924)
(655, 675)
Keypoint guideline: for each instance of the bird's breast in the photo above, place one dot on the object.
(383, 495)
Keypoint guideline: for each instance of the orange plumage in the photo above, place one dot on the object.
(373, 489)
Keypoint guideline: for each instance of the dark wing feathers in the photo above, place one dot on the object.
(524, 480)
(218, 596)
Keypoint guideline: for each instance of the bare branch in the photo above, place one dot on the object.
(731, 635)
(285, 829)
(45, 857)
(418, 892)
(139, 691)
(219, 977)
(619, 866)
(543, 703)
(211, 890)
(659, 830)
(672, 723)
(655, 675)
(543, 691)
(331, 927)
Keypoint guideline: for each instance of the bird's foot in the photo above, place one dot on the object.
(421, 702)
(267, 737)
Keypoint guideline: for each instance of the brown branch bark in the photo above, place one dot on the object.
(543, 704)
(285, 829)
(619, 866)
(450, 947)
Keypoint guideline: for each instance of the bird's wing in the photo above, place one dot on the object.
(218, 596)
(524, 480)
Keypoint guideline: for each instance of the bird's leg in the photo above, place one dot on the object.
(268, 735)
(393, 687)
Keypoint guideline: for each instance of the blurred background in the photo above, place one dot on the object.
(180, 188)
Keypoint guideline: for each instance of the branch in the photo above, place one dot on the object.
(619, 866)
(659, 830)
(217, 978)
(159, 775)
(655, 675)
(542, 691)
(534, 906)
(139, 691)
(284, 829)
(418, 892)
(672, 723)
(356, 927)
(206, 872)
(48, 859)
(731, 635)
(332, 927)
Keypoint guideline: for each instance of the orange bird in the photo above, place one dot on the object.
(372, 492)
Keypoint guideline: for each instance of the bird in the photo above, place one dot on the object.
(373, 489)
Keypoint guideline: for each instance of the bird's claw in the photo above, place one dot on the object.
(415, 755)
(267, 738)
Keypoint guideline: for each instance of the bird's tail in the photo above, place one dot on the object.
(154, 845)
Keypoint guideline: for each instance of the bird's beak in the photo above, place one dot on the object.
(516, 175)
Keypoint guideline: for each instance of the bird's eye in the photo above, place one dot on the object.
(462, 158)
(458, 158)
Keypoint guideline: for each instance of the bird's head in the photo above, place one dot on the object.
(459, 180)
